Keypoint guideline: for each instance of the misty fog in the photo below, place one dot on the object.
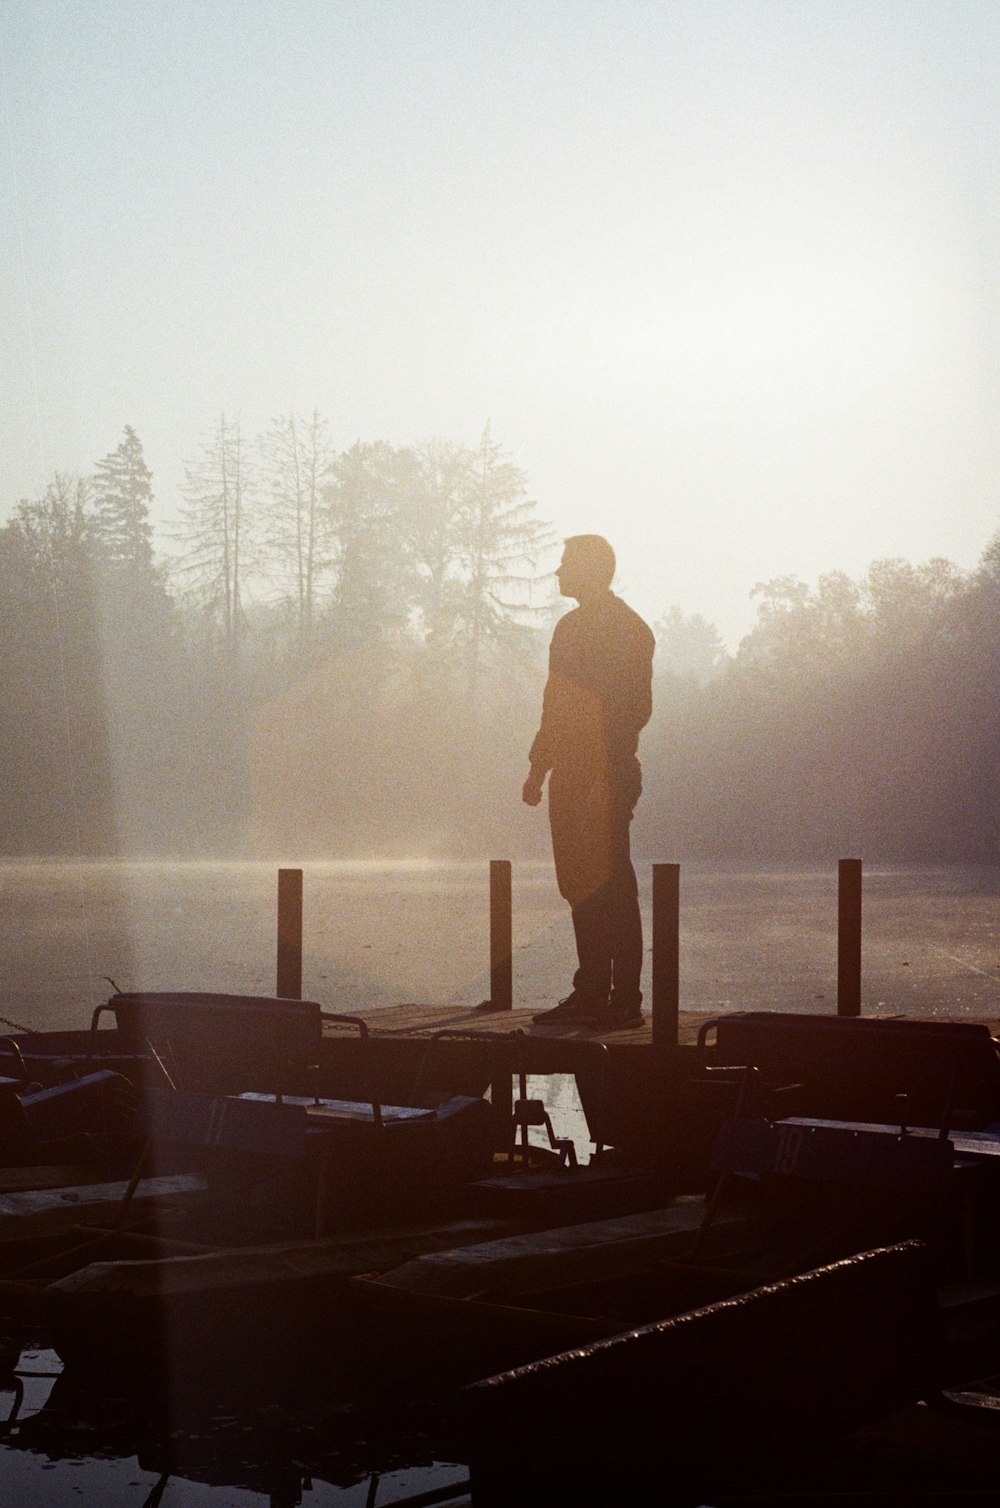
(341, 654)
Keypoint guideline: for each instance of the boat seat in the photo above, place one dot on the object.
(262, 1123)
(217, 1043)
(874, 1156)
(322, 1154)
(866, 1069)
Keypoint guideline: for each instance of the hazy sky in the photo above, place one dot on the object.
(723, 276)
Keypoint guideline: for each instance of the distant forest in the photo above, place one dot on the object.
(342, 655)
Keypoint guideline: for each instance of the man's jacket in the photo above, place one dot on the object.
(598, 696)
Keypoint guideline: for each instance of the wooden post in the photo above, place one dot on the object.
(666, 956)
(501, 936)
(501, 992)
(289, 985)
(849, 938)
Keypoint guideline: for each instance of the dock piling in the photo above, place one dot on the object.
(849, 938)
(289, 980)
(501, 989)
(666, 956)
(501, 936)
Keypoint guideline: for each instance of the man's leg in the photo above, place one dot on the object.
(623, 921)
(594, 934)
(626, 946)
(579, 815)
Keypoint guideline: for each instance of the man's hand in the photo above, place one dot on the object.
(531, 794)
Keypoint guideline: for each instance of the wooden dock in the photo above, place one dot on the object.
(415, 1051)
(423, 1021)
(628, 1079)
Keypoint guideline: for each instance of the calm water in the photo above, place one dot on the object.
(377, 934)
(383, 933)
(107, 1445)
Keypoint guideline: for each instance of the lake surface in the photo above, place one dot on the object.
(74, 1444)
(383, 933)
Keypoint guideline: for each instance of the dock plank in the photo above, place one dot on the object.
(416, 1020)
(46, 1212)
(576, 1253)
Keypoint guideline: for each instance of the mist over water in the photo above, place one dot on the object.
(379, 700)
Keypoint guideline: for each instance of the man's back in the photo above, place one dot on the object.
(598, 697)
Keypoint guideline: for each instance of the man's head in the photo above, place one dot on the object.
(587, 566)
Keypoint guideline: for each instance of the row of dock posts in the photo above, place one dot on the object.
(666, 951)
(665, 983)
(665, 988)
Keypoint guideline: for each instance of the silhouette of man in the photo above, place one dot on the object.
(598, 698)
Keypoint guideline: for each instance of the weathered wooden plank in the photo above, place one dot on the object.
(43, 1212)
(575, 1253)
(412, 1019)
(275, 1263)
(423, 1020)
(714, 1400)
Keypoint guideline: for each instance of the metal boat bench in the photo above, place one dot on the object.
(897, 1117)
(218, 1043)
(232, 1082)
(338, 1157)
(865, 1069)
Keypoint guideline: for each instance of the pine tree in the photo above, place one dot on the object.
(499, 541)
(123, 493)
(55, 773)
(442, 487)
(371, 501)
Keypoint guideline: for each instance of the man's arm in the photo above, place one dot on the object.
(531, 791)
(540, 760)
(540, 753)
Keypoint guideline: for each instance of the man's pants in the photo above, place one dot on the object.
(590, 822)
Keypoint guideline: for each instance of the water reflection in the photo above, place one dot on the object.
(70, 1438)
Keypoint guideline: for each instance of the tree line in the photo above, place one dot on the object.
(322, 658)
(342, 652)
(857, 717)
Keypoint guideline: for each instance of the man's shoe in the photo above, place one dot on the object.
(572, 1009)
(614, 1018)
